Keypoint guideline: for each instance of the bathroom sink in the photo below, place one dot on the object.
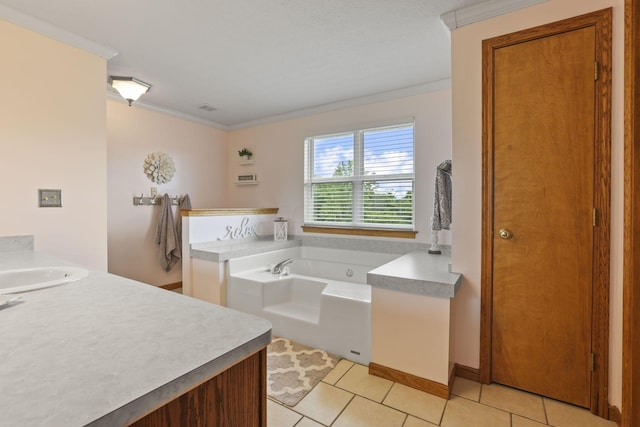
(30, 279)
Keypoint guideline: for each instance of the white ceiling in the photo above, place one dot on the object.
(257, 59)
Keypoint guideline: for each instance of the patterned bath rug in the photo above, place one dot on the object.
(294, 369)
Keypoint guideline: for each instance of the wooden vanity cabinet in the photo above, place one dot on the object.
(236, 397)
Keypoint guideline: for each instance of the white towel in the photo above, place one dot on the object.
(167, 237)
(442, 199)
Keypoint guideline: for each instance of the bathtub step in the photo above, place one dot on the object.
(305, 312)
(352, 291)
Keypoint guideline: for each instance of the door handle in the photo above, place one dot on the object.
(505, 234)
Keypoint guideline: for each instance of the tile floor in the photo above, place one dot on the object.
(349, 397)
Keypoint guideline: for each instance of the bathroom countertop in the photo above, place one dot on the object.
(104, 350)
(417, 272)
(226, 249)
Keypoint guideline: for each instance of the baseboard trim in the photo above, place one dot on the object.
(410, 380)
(452, 378)
(171, 286)
(615, 415)
(468, 373)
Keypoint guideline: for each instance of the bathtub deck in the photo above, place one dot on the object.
(352, 291)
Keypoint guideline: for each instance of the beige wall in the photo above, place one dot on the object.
(278, 153)
(53, 135)
(467, 142)
(199, 153)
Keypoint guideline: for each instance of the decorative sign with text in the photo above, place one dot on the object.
(242, 231)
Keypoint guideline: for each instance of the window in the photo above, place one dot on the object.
(360, 179)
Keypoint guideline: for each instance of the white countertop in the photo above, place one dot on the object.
(227, 249)
(104, 350)
(417, 272)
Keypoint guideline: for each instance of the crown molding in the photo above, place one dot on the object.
(56, 33)
(370, 99)
(169, 112)
(479, 12)
(354, 102)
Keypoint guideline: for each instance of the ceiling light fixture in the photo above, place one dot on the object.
(129, 88)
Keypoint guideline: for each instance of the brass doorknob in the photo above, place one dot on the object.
(505, 233)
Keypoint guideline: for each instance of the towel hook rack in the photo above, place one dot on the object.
(143, 200)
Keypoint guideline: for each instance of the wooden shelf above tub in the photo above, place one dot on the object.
(228, 211)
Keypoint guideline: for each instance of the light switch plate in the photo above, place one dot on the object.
(49, 198)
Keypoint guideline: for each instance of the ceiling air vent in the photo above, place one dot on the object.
(205, 107)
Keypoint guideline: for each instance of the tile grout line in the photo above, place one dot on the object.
(406, 418)
(391, 407)
(343, 409)
(297, 422)
(341, 376)
(520, 415)
(305, 416)
(393, 383)
(443, 411)
(292, 408)
(381, 403)
(544, 408)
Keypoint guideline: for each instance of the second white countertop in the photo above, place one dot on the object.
(417, 272)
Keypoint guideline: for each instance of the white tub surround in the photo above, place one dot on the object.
(394, 309)
(16, 243)
(208, 264)
(411, 321)
(367, 244)
(104, 350)
(204, 270)
(324, 302)
(204, 229)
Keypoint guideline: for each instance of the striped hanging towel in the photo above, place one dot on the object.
(442, 199)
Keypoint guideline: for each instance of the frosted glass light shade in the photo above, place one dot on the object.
(129, 88)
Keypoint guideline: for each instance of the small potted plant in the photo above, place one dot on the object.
(245, 154)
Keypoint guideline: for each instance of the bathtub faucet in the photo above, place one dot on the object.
(277, 269)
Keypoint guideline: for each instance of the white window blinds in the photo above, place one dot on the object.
(362, 179)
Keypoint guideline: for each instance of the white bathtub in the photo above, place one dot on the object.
(324, 302)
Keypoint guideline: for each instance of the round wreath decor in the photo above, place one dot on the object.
(159, 167)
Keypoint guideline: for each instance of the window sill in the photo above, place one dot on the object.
(405, 234)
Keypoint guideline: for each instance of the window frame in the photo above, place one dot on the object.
(355, 227)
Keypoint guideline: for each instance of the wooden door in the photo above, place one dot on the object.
(545, 160)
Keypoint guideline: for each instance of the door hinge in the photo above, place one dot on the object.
(592, 362)
(595, 217)
(595, 75)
